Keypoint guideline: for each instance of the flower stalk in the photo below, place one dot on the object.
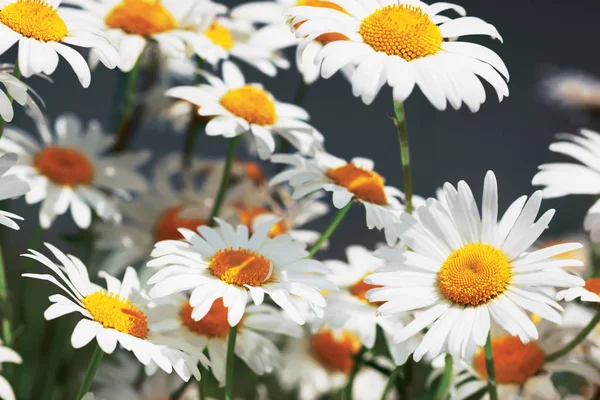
(91, 372)
(400, 122)
(224, 180)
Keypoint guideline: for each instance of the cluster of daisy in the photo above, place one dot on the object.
(209, 267)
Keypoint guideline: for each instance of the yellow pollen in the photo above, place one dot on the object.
(250, 103)
(35, 19)
(593, 285)
(474, 274)
(514, 361)
(240, 267)
(140, 17)
(363, 184)
(213, 324)
(114, 312)
(167, 224)
(220, 35)
(64, 166)
(326, 37)
(334, 351)
(248, 214)
(401, 30)
(360, 289)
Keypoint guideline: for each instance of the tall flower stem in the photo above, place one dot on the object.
(230, 363)
(17, 74)
(577, 340)
(444, 387)
(357, 362)
(224, 180)
(330, 229)
(390, 382)
(124, 131)
(91, 372)
(489, 366)
(6, 305)
(400, 122)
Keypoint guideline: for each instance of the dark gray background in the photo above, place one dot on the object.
(510, 138)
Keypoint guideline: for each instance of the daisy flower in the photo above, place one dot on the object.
(349, 308)
(404, 43)
(152, 217)
(10, 356)
(238, 108)
(321, 363)
(466, 270)
(573, 89)
(589, 293)
(254, 343)
(17, 91)
(69, 170)
(43, 32)
(121, 314)
(348, 181)
(224, 262)
(10, 187)
(561, 179)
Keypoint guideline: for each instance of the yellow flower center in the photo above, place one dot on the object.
(474, 274)
(34, 19)
(113, 312)
(514, 361)
(326, 37)
(248, 214)
(593, 285)
(64, 166)
(140, 17)
(334, 351)
(250, 103)
(401, 30)
(363, 184)
(240, 267)
(220, 35)
(167, 224)
(360, 289)
(214, 324)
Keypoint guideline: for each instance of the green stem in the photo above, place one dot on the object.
(374, 365)
(6, 305)
(390, 382)
(347, 395)
(230, 363)
(444, 387)
(400, 122)
(577, 340)
(17, 74)
(124, 131)
(408, 378)
(491, 372)
(224, 180)
(330, 229)
(91, 371)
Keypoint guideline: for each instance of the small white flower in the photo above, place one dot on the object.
(10, 187)
(7, 355)
(573, 89)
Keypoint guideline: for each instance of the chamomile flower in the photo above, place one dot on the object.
(561, 179)
(226, 263)
(69, 170)
(239, 108)
(43, 32)
(404, 43)
(349, 308)
(152, 217)
(7, 355)
(18, 91)
(10, 187)
(255, 333)
(465, 270)
(121, 314)
(573, 89)
(348, 181)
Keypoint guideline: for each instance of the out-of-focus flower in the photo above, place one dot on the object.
(561, 179)
(70, 170)
(227, 263)
(583, 254)
(573, 89)
(348, 181)
(590, 292)
(18, 91)
(403, 43)
(10, 187)
(238, 108)
(7, 355)
(465, 270)
(121, 314)
(43, 32)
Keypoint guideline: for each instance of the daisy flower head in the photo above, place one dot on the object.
(348, 181)
(350, 309)
(69, 170)
(229, 264)
(404, 43)
(10, 187)
(120, 313)
(466, 270)
(238, 107)
(573, 89)
(153, 216)
(583, 177)
(18, 91)
(7, 355)
(43, 31)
